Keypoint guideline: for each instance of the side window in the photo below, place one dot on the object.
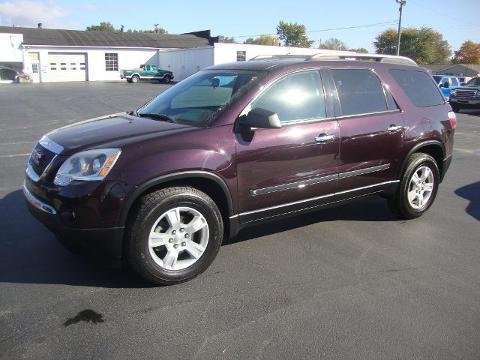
(298, 96)
(391, 103)
(241, 55)
(359, 91)
(418, 86)
(455, 82)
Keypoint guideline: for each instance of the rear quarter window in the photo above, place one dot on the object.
(419, 87)
(359, 91)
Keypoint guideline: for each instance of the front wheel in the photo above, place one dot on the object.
(135, 79)
(418, 187)
(175, 235)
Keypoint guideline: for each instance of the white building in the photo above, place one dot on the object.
(54, 55)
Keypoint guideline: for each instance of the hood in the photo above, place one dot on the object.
(111, 131)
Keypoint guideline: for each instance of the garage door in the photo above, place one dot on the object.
(66, 67)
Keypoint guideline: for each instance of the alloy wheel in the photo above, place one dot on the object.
(178, 238)
(420, 187)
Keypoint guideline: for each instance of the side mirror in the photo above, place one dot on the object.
(260, 118)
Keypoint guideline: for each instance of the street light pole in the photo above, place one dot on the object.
(399, 33)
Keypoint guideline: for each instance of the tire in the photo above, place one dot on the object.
(135, 79)
(455, 108)
(167, 79)
(400, 204)
(129, 81)
(155, 264)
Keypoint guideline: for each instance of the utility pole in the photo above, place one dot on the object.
(399, 34)
(156, 28)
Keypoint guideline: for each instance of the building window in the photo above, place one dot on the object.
(111, 61)
(241, 55)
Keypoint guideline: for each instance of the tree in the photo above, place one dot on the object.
(333, 44)
(293, 34)
(103, 26)
(263, 40)
(227, 39)
(424, 45)
(359, 50)
(469, 53)
(107, 26)
(152, 31)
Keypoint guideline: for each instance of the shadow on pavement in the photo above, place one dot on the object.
(473, 112)
(472, 193)
(29, 253)
(366, 209)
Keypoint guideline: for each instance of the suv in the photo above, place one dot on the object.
(467, 96)
(446, 83)
(236, 145)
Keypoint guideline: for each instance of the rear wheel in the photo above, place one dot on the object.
(418, 187)
(135, 79)
(167, 79)
(175, 235)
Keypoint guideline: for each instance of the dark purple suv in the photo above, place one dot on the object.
(236, 145)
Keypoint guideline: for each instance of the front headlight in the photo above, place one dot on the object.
(87, 165)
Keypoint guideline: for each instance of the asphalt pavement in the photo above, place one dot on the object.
(346, 283)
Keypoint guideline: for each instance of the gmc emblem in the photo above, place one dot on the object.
(36, 157)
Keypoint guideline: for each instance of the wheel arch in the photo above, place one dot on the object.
(434, 148)
(208, 182)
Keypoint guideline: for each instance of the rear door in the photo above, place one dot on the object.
(294, 167)
(371, 130)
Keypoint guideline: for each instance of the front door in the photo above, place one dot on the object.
(34, 68)
(284, 170)
(371, 128)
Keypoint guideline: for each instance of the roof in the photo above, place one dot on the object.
(446, 67)
(59, 37)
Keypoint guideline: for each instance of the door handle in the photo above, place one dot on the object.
(394, 127)
(324, 137)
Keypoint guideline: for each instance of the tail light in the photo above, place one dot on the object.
(453, 119)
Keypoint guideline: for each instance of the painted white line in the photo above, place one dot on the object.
(468, 151)
(18, 142)
(14, 155)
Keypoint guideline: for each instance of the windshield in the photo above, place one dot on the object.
(437, 79)
(474, 82)
(196, 99)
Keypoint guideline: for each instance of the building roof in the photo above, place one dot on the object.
(449, 67)
(59, 37)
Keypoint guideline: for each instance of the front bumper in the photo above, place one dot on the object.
(472, 103)
(104, 244)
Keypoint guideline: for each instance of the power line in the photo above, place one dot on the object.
(328, 29)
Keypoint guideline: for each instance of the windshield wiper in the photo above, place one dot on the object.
(155, 116)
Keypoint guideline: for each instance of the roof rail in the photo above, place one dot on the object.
(279, 57)
(390, 59)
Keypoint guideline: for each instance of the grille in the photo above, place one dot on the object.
(465, 94)
(40, 159)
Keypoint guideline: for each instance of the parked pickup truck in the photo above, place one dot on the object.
(147, 72)
(466, 97)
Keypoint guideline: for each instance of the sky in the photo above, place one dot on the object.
(457, 20)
